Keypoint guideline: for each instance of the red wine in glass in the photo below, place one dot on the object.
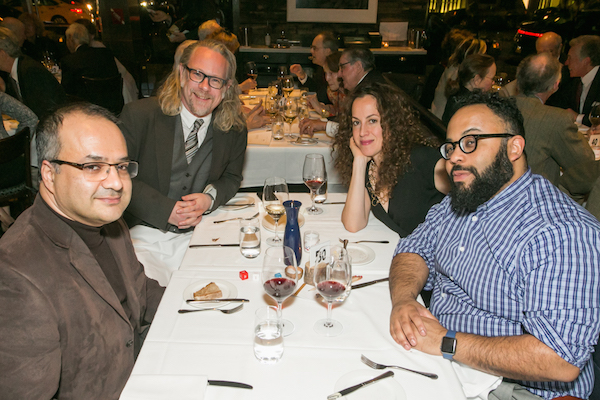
(331, 289)
(314, 184)
(314, 175)
(279, 288)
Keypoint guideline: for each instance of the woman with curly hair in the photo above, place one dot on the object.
(390, 166)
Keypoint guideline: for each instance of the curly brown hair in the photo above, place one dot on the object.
(401, 132)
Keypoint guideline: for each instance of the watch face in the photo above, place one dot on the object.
(448, 345)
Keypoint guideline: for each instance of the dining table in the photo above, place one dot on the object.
(182, 351)
(286, 156)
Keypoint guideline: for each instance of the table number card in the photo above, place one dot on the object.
(319, 253)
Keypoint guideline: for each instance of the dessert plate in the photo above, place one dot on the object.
(360, 254)
(228, 289)
(238, 203)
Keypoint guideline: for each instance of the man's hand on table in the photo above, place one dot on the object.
(188, 212)
(297, 70)
(247, 85)
(256, 118)
(412, 325)
(309, 126)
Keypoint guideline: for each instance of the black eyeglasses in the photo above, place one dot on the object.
(198, 76)
(341, 66)
(468, 144)
(98, 171)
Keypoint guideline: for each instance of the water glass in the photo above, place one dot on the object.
(250, 237)
(277, 128)
(268, 335)
(311, 238)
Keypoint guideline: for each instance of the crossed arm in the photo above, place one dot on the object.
(412, 325)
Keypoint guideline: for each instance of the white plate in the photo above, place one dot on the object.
(388, 388)
(269, 224)
(309, 142)
(228, 289)
(237, 200)
(360, 254)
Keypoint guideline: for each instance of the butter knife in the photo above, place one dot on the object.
(360, 385)
(229, 384)
(192, 246)
(215, 300)
(360, 285)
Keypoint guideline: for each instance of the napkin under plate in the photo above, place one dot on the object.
(164, 387)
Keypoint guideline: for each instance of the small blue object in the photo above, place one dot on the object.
(278, 275)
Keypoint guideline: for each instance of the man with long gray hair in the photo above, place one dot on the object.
(191, 141)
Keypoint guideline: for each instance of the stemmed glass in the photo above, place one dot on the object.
(251, 70)
(314, 177)
(280, 278)
(288, 85)
(275, 192)
(272, 105)
(333, 280)
(595, 114)
(290, 111)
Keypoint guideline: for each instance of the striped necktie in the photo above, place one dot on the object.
(191, 144)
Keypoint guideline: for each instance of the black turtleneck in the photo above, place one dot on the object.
(94, 238)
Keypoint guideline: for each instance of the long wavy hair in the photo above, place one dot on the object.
(228, 113)
(401, 132)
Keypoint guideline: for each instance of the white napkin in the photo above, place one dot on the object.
(476, 384)
(164, 387)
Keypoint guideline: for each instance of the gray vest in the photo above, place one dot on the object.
(189, 178)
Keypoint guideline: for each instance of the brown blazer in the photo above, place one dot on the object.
(63, 331)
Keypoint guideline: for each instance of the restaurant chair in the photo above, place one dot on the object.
(105, 92)
(16, 188)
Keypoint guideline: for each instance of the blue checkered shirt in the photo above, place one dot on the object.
(526, 261)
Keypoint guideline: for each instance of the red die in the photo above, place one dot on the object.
(243, 275)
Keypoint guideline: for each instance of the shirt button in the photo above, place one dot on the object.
(129, 343)
(184, 188)
(444, 295)
(474, 219)
(187, 175)
(461, 248)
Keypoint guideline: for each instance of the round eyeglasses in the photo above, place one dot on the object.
(468, 144)
(98, 171)
(198, 76)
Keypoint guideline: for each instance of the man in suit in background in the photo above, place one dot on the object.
(553, 141)
(324, 44)
(26, 79)
(86, 61)
(583, 89)
(75, 301)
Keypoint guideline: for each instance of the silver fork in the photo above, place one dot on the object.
(235, 219)
(229, 311)
(375, 365)
(367, 241)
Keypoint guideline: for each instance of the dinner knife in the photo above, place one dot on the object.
(215, 300)
(229, 384)
(215, 245)
(360, 385)
(361, 285)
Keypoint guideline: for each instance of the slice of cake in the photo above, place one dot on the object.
(208, 292)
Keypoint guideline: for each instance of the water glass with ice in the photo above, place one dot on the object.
(268, 335)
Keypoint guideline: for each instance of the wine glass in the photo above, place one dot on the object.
(595, 114)
(290, 111)
(314, 176)
(251, 70)
(272, 105)
(282, 71)
(333, 280)
(280, 278)
(275, 192)
(287, 85)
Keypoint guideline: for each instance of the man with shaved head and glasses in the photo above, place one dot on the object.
(514, 265)
(74, 301)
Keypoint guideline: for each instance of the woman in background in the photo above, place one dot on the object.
(476, 72)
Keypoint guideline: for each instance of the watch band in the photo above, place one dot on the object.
(449, 355)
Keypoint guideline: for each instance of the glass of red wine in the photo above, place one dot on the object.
(280, 278)
(333, 280)
(314, 177)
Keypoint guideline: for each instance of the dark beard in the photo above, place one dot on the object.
(484, 186)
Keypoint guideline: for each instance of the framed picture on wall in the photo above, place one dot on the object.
(348, 11)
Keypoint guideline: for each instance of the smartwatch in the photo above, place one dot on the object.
(448, 346)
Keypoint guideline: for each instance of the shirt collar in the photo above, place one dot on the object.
(14, 71)
(589, 77)
(507, 197)
(188, 119)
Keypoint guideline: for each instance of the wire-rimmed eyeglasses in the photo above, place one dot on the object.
(198, 76)
(98, 171)
(468, 143)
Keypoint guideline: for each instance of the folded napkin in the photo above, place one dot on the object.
(476, 384)
(164, 387)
